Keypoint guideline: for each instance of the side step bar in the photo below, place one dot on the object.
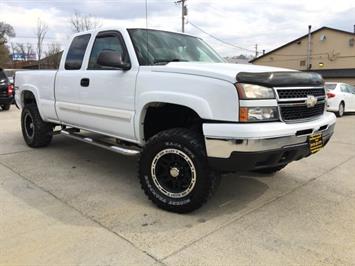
(101, 144)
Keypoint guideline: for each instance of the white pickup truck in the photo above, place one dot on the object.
(173, 101)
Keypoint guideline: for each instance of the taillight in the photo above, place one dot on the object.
(330, 95)
(10, 90)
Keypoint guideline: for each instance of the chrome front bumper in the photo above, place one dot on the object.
(290, 135)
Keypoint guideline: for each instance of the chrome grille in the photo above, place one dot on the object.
(300, 93)
(299, 112)
(293, 103)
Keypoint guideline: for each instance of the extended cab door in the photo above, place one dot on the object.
(94, 97)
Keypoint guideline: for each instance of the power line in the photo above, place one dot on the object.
(220, 40)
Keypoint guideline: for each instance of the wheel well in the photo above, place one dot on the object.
(28, 98)
(161, 117)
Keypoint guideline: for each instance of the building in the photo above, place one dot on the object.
(328, 51)
(49, 62)
(240, 59)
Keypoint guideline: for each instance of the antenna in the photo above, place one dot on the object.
(146, 26)
(146, 14)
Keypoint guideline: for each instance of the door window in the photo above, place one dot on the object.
(343, 88)
(107, 42)
(76, 52)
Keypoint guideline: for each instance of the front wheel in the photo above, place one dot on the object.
(35, 131)
(174, 172)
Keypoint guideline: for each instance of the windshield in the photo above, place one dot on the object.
(164, 47)
(330, 86)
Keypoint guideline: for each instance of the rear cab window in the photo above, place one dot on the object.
(76, 52)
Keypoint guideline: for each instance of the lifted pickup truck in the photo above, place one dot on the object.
(173, 101)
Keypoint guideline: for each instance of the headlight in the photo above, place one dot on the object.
(251, 91)
(256, 114)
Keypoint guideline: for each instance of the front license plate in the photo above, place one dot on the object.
(315, 142)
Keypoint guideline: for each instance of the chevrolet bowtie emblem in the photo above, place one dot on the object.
(311, 101)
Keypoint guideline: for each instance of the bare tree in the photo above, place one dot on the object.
(80, 22)
(53, 55)
(29, 50)
(41, 32)
(21, 48)
(6, 30)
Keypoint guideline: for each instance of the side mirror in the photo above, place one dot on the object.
(112, 59)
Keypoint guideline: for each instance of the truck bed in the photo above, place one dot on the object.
(43, 83)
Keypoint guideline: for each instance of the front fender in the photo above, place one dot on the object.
(198, 104)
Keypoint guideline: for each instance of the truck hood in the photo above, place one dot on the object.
(223, 71)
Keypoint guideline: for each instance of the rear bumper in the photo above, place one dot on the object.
(6, 100)
(257, 146)
(333, 105)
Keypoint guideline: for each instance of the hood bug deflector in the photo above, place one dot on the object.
(281, 79)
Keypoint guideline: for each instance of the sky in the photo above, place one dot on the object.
(238, 23)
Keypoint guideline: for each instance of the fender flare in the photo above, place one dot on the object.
(195, 103)
(34, 91)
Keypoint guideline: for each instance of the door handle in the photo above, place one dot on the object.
(85, 82)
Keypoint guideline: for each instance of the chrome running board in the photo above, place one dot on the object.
(99, 143)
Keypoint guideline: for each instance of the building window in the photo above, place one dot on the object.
(303, 63)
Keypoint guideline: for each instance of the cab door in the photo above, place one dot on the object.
(107, 97)
(67, 83)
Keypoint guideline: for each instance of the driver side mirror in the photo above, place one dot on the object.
(112, 59)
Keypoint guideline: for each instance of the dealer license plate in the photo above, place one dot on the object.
(315, 142)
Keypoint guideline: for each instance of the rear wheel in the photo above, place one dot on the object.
(174, 172)
(35, 131)
(340, 113)
(5, 107)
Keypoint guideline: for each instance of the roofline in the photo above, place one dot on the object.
(93, 31)
(282, 46)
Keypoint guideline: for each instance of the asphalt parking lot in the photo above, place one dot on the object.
(72, 203)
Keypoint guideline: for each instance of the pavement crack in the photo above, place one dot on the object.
(15, 152)
(272, 200)
(98, 223)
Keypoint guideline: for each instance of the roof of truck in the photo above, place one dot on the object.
(130, 28)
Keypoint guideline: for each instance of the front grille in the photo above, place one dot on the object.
(300, 112)
(300, 93)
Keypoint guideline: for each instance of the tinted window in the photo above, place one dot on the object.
(76, 52)
(350, 89)
(330, 86)
(107, 42)
(3, 77)
(343, 88)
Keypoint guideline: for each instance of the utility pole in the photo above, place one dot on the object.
(256, 51)
(183, 13)
(309, 51)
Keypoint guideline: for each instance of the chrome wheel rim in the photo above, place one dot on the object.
(29, 125)
(173, 173)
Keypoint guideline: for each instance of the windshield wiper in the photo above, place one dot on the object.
(166, 61)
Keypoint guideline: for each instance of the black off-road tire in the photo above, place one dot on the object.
(6, 107)
(42, 132)
(341, 111)
(270, 170)
(192, 145)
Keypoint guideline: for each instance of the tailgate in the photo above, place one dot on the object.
(3, 89)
